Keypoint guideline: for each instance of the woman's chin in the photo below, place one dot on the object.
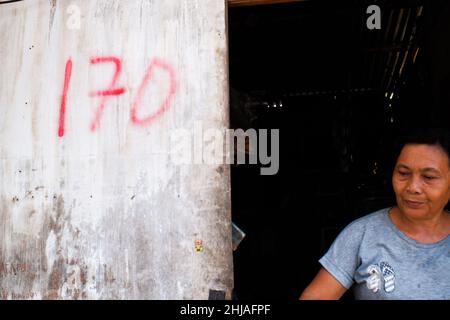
(414, 212)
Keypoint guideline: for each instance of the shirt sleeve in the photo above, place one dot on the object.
(342, 259)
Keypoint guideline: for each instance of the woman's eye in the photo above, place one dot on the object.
(403, 174)
(429, 177)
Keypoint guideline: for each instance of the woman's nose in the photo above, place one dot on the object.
(414, 185)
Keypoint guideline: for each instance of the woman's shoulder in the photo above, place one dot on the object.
(371, 220)
(363, 230)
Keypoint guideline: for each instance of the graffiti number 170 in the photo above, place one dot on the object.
(113, 90)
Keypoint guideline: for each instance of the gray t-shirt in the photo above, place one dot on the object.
(383, 263)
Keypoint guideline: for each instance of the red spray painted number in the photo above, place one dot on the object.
(111, 90)
(156, 63)
(62, 110)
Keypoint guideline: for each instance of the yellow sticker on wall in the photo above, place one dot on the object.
(199, 246)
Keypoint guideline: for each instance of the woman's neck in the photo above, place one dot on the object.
(429, 230)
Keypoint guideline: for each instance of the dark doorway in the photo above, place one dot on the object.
(339, 93)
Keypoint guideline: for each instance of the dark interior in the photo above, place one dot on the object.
(340, 94)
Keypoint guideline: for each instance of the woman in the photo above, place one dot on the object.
(401, 252)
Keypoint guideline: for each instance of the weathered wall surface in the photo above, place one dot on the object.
(91, 207)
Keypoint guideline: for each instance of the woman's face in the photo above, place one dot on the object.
(421, 180)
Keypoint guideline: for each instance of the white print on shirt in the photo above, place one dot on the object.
(374, 280)
(376, 273)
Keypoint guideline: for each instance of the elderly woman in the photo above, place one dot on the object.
(401, 252)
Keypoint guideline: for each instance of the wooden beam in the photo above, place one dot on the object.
(242, 3)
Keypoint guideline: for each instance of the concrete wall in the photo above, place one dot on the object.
(91, 206)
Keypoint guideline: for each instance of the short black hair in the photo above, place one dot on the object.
(429, 136)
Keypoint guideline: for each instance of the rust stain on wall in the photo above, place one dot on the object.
(52, 14)
(55, 280)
